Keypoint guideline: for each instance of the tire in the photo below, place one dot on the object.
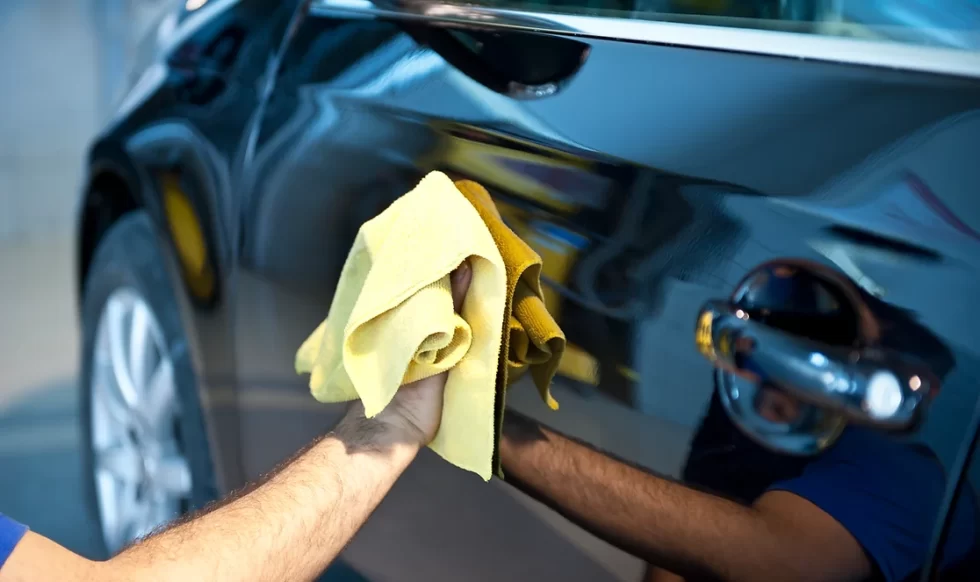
(128, 269)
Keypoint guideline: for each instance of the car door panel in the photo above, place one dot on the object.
(652, 182)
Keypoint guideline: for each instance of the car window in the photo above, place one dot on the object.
(949, 23)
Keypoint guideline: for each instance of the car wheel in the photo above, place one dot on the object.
(145, 445)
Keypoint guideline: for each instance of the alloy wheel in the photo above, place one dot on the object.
(142, 475)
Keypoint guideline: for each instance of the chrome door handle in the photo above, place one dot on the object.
(871, 385)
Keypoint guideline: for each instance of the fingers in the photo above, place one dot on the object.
(460, 281)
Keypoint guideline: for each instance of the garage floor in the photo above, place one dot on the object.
(47, 113)
(38, 420)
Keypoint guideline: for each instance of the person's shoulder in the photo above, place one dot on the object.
(885, 492)
(11, 533)
(875, 451)
(867, 466)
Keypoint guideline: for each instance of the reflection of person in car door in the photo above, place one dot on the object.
(864, 509)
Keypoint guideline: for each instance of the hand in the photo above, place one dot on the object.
(416, 410)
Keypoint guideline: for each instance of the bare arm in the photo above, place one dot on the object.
(290, 527)
(692, 533)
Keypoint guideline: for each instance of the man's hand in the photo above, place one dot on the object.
(416, 410)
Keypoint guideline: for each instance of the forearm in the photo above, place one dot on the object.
(308, 512)
(684, 530)
(290, 527)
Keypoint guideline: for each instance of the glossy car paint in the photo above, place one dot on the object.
(653, 179)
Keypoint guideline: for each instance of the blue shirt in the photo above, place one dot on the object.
(887, 495)
(10, 534)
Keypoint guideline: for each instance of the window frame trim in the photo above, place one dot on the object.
(800, 46)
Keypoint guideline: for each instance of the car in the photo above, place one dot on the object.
(745, 223)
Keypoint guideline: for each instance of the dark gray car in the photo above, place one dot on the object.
(784, 189)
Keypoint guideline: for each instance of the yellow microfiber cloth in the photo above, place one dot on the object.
(531, 338)
(392, 321)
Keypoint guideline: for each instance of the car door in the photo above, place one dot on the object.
(656, 167)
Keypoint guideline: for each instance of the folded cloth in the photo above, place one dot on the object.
(392, 320)
(531, 338)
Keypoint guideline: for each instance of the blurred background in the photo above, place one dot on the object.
(62, 63)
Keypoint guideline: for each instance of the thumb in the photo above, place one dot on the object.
(460, 282)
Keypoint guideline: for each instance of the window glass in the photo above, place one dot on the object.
(948, 23)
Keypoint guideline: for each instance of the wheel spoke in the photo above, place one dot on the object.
(147, 518)
(173, 476)
(121, 461)
(159, 512)
(109, 495)
(129, 512)
(113, 402)
(140, 475)
(140, 343)
(116, 315)
(159, 400)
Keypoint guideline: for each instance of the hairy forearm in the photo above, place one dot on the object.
(309, 510)
(689, 532)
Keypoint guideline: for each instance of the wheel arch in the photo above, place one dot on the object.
(113, 189)
(110, 191)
